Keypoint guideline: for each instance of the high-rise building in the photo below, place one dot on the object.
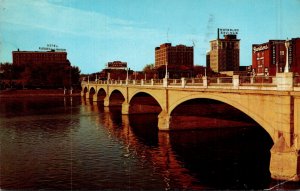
(270, 58)
(224, 54)
(179, 59)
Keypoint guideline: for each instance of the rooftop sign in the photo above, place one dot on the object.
(228, 31)
(260, 48)
(52, 47)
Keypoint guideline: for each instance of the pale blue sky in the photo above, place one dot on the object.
(95, 32)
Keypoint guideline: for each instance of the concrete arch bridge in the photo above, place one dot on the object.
(275, 107)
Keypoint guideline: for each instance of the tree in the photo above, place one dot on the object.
(75, 76)
(148, 68)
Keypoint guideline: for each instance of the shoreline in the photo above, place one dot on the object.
(38, 93)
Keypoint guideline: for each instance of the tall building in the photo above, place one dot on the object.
(224, 54)
(179, 60)
(270, 57)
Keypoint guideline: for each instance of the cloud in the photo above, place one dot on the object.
(42, 14)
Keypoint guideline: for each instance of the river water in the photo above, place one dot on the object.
(70, 143)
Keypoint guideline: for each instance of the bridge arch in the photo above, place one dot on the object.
(142, 102)
(91, 92)
(227, 100)
(116, 98)
(101, 94)
(154, 95)
(85, 90)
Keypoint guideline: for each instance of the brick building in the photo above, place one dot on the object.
(43, 68)
(179, 60)
(224, 54)
(270, 57)
(39, 57)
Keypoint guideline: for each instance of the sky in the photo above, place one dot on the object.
(95, 32)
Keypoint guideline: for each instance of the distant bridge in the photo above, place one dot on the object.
(273, 102)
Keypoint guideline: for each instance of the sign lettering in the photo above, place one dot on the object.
(260, 48)
(229, 31)
(52, 47)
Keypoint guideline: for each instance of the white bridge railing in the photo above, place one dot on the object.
(235, 82)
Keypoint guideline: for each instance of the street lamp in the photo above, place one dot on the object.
(127, 78)
(166, 75)
(286, 68)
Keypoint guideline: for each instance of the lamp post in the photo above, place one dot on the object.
(286, 68)
(127, 77)
(166, 75)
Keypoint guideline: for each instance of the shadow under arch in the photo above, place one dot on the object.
(101, 94)
(143, 118)
(143, 102)
(85, 90)
(116, 98)
(92, 92)
(234, 104)
(228, 150)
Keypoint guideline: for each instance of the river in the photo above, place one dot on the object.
(70, 143)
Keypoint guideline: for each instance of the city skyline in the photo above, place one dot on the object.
(96, 32)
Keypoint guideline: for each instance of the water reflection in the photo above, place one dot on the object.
(232, 158)
(235, 158)
(140, 135)
(65, 144)
(35, 142)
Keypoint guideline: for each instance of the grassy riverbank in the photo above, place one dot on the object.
(37, 93)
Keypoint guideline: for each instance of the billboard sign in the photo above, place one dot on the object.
(228, 31)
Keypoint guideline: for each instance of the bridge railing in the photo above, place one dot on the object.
(194, 82)
(258, 80)
(174, 82)
(297, 81)
(220, 81)
(157, 82)
(236, 82)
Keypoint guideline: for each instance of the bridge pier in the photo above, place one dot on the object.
(87, 95)
(285, 158)
(106, 101)
(125, 108)
(164, 120)
(95, 97)
(285, 161)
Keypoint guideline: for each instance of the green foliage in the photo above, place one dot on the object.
(149, 68)
(39, 75)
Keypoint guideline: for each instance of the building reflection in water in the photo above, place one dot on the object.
(230, 158)
(140, 136)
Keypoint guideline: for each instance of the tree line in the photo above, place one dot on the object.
(45, 76)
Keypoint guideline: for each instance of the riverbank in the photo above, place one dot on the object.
(13, 93)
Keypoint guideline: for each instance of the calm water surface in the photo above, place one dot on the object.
(69, 143)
